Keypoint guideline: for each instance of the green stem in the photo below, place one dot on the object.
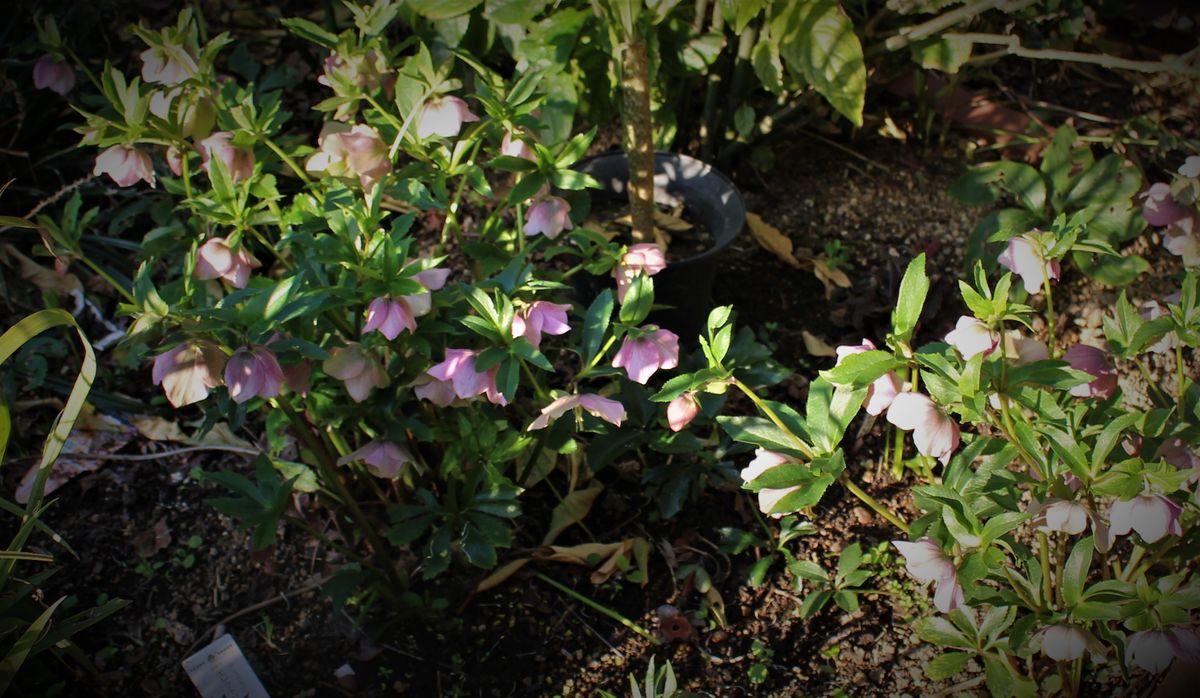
(596, 359)
(871, 502)
(1044, 559)
(107, 277)
(327, 464)
(83, 66)
(771, 415)
(1180, 377)
(1051, 318)
(599, 608)
(287, 159)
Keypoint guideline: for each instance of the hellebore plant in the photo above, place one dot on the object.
(1055, 514)
(305, 277)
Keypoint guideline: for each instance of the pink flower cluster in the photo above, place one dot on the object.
(643, 258)
(1182, 221)
(456, 378)
(610, 411)
(217, 260)
(539, 318)
(389, 316)
(384, 459)
(645, 354)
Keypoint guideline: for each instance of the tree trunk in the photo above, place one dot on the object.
(639, 137)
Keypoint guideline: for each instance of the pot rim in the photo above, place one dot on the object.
(707, 170)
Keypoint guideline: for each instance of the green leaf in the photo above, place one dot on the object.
(830, 410)
(702, 51)
(939, 631)
(595, 324)
(806, 569)
(860, 370)
(1075, 572)
(20, 650)
(758, 431)
(817, 41)
(764, 57)
(1068, 449)
(913, 289)
(442, 9)
(946, 54)
(639, 298)
(1114, 271)
(947, 666)
(804, 496)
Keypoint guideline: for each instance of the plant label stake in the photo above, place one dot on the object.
(220, 670)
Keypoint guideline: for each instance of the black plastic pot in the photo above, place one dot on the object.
(709, 199)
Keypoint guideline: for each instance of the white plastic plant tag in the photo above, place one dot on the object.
(220, 670)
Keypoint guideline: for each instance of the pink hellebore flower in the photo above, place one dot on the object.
(125, 165)
(1089, 359)
(1152, 310)
(514, 146)
(216, 260)
(1179, 454)
(1182, 240)
(549, 216)
(351, 151)
(440, 393)
(682, 410)
(934, 433)
(885, 388)
(643, 258)
(1153, 650)
(1159, 207)
(1190, 166)
(49, 74)
(189, 371)
(1025, 350)
(1025, 258)
(763, 461)
(360, 371)
(384, 459)
(610, 411)
(238, 162)
(643, 356)
(1066, 642)
(443, 116)
(391, 315)
(972, 336)
(459, 370)
(538, 318)
(253, 372)
(168, 66)
(1150, 514)
(1062, 515)
(174, 160)
(926, 562)
(298, 376)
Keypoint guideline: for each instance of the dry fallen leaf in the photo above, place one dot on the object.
(44, 278)
(159, 429)
(220, 435)
(501, 575)
(614, 557)
(829, 277)
(815, 345)
(152, 540)
(771, 239)
(573, 508)
(94, 433)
